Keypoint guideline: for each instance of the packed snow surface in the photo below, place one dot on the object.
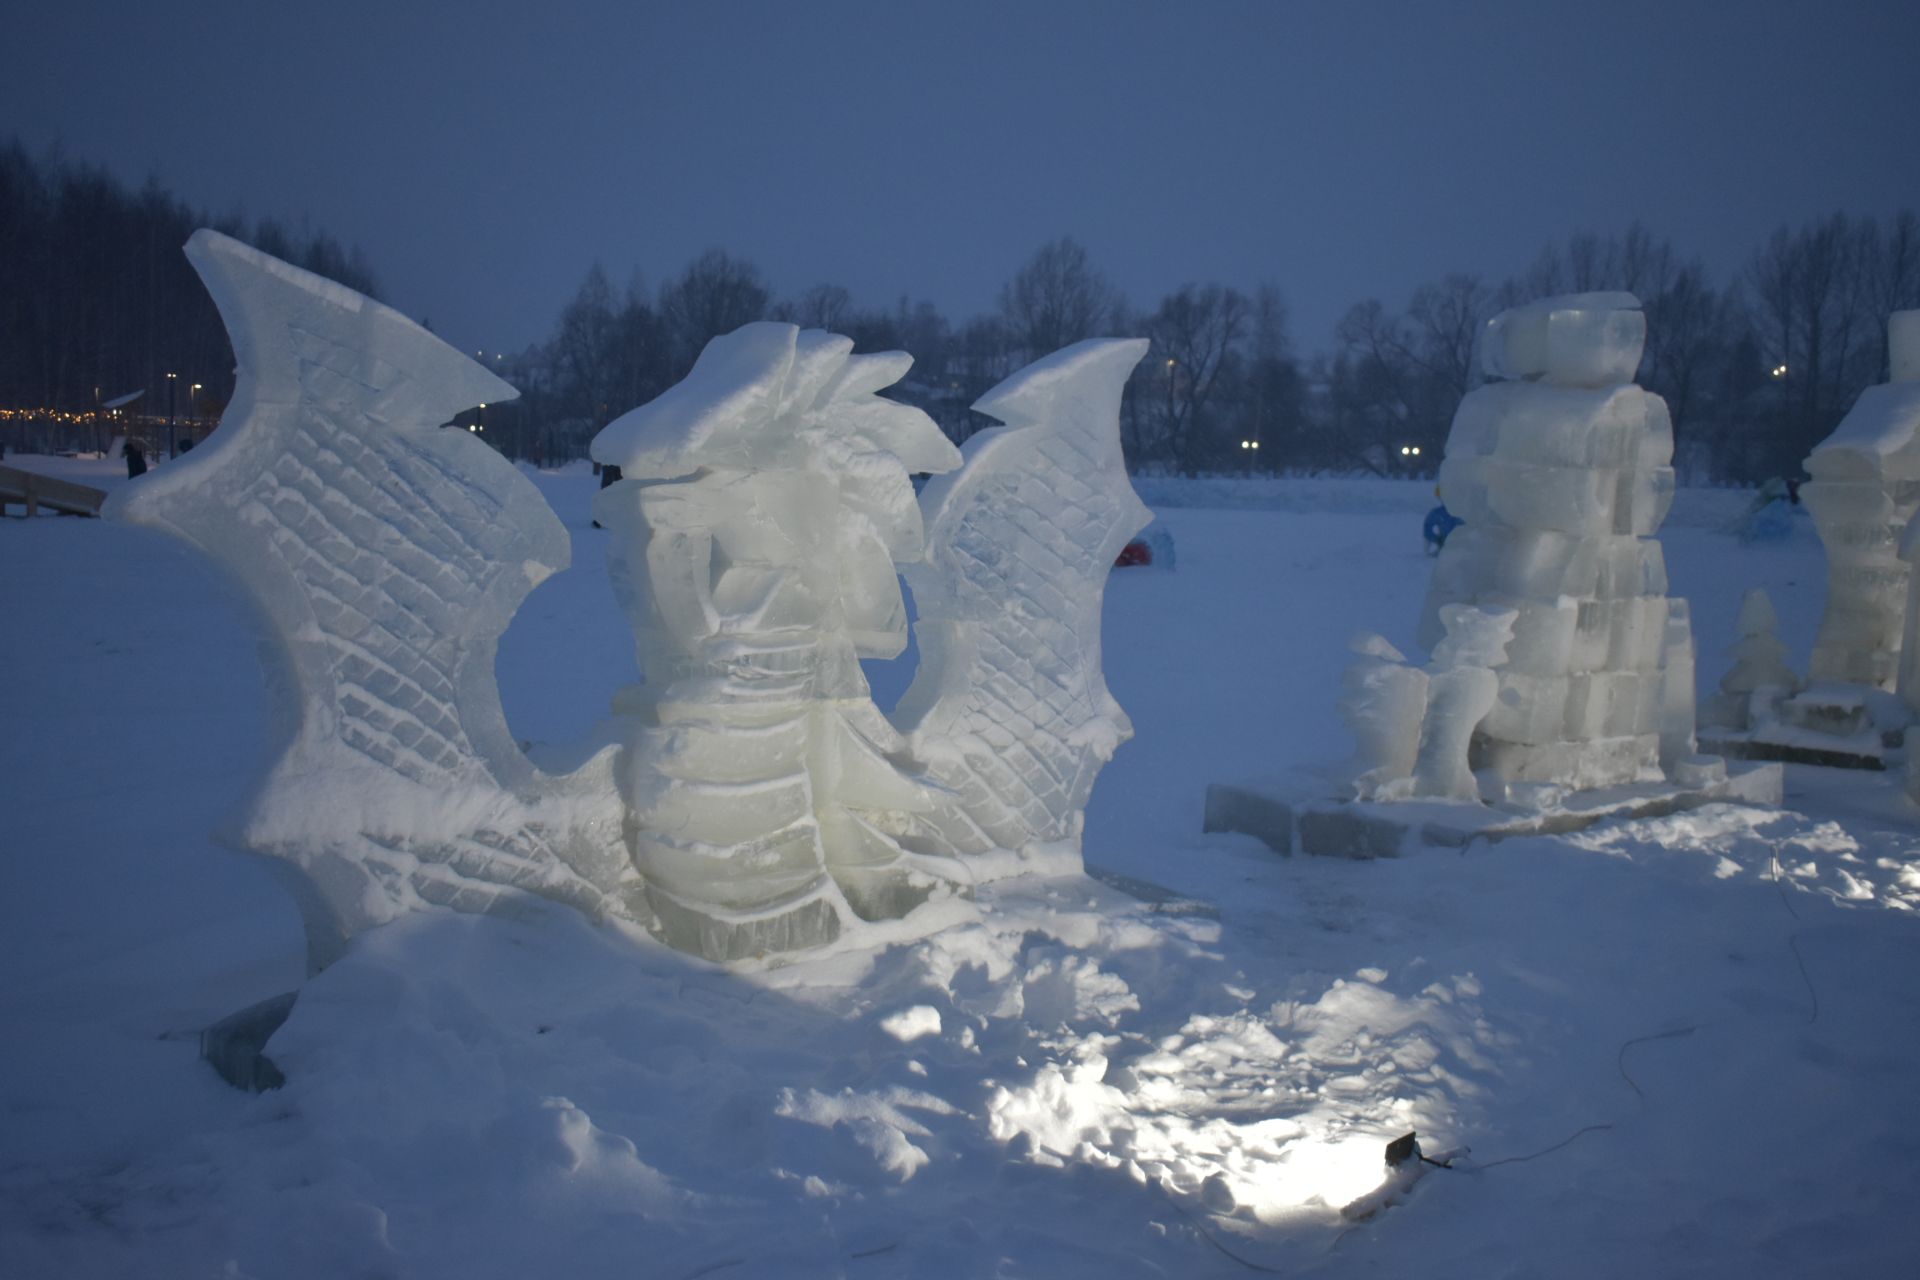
(1682, 1046)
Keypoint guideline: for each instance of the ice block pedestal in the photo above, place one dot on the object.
(1295, 814)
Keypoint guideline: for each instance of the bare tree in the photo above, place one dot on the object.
(715, 295)
(1810, 299)
(1272, 395)
(1058, 298)
(1893, 281)
(1196, 334)
(824, 306)
(583, 353)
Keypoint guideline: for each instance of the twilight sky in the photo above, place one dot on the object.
(485, 154)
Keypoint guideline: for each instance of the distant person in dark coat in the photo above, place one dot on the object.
(136, 459)
(609, 474)
(1439, 523)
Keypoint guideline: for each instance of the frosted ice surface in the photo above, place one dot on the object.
(1575, 340)
(1383, 704)
(384, 557)
(763, 505)
(1009, 710)
(1474, 637)
(1461, 689)
(1678, 697)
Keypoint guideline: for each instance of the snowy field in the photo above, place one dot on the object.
(1675, 1047)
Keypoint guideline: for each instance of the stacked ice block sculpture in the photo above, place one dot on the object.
(1560, 470)
(1864, 490)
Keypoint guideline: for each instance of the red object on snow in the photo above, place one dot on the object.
(1135, 552)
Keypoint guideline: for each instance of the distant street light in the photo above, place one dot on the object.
(173, 381)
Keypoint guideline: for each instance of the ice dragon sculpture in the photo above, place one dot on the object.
(758, 801)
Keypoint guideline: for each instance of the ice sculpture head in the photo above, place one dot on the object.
(1476, 636)
(819, 466)
(1574, 340)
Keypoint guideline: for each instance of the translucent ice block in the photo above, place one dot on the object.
(1580, 340)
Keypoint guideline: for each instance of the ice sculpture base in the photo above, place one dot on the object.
(1831, 724)
(723, 936)
(1294, 814)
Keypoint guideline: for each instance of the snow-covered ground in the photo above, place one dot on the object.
(1683, 1046)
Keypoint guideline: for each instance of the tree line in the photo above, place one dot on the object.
(96, 300)
(1756, 369)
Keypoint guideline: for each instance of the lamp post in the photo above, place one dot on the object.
(173, 380)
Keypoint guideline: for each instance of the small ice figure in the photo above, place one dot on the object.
(1462, 686)
(1759, 679)
(1384, 703)
(1759, 656)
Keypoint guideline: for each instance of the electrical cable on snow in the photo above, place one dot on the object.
(1564, 1142)
(1620, 1059)
(1793, 940)
(1213, 1240)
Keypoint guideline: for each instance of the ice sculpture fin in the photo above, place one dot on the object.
(384, 557)
(1009, 711)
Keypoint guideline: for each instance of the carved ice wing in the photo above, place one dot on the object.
(1010, 709)
(385, 557)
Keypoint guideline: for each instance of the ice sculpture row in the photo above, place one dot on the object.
(757, 801)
